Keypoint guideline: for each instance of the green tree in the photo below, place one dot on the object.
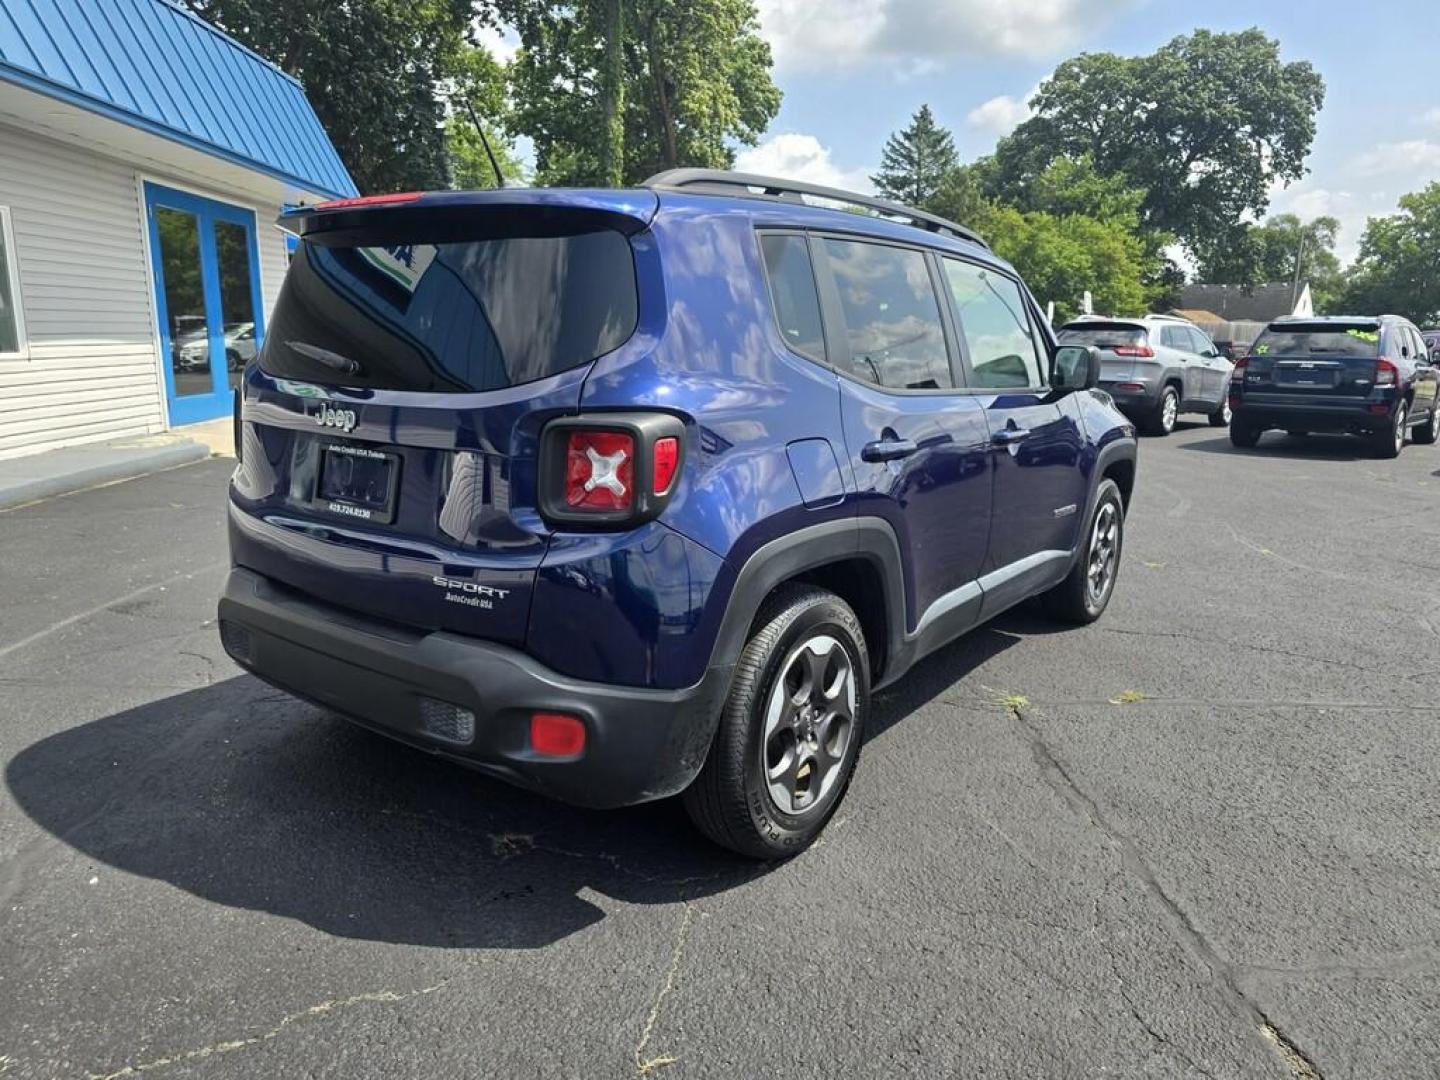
(375, 71)
(1398, 269)
(477, 93)
(1203, 126)
(916, 160)
(696, 84)
(1274, 252)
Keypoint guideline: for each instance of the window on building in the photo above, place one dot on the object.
(996, 326)
(892, 316)
(12, 323)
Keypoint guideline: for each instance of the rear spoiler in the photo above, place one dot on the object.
(433, 216)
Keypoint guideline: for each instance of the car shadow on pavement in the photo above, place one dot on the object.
(1280, 445)
(244, 796)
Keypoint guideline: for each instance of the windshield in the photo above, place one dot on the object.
(1361, 342)
(466, 316)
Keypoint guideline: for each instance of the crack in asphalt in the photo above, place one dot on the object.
(645, 1066)
(1223, 974)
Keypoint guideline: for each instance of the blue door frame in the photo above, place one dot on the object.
(192, 408)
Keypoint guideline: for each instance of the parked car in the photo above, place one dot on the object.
(1369, 376)
(1156, 368)
(1432, 342)
(621, 494)
(192, 352)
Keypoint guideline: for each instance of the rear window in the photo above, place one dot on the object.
(1356, 341)
(1102, 337)
(451, 317)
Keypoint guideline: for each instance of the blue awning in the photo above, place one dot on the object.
(157, 67)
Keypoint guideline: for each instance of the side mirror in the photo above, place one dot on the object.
(1077, 367)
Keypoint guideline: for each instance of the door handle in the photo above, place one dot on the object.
(1007, 436)
(888, 450)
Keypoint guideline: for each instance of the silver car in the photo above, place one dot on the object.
(1157, 367)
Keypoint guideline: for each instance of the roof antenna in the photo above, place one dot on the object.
(485, 142)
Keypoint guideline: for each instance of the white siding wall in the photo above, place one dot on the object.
(93, 371)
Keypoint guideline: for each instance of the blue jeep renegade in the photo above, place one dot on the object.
(621, 494)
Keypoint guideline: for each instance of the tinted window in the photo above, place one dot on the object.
(892, 318)
(792, 290)
(474, 315)
(997, 331)
(1102, 337)
(1357, 341)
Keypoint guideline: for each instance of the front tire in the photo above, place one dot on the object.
(1085, 593)
(1427, 432)
(791, 729)
(1222, 416)
(1161, 420)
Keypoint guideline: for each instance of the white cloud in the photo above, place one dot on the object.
(1431, 118)
(1001, 115)
(792, 155)
(1421, 154)
(849, 33)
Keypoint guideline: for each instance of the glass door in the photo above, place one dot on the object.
(207, 284)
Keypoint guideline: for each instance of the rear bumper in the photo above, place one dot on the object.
(1275, 411)
(1132, 401)
(640, 744)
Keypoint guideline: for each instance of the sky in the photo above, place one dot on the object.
(853, 71)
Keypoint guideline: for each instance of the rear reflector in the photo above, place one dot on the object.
(1130, 387)
(600, 471)
(556, 734)
(1379, 410)
(370, 200)
(666, 460)
(444, 720)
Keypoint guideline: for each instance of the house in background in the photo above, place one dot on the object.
(144, 157)
(1234, 315)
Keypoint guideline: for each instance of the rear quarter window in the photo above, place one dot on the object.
(451, 317)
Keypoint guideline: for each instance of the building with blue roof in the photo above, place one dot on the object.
(144, 157)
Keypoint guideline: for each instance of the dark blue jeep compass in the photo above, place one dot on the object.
(621, 494)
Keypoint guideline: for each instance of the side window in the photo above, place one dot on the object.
(1199, 343)
(892, 316)
(12, 323)
(996, 328)
(1399, 341)
(1173, 337)
(792, 292)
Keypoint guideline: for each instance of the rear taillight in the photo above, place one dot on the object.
(1237, 374)
(609, 470)
(1133, 350)
(1386, 373)
(600, 470)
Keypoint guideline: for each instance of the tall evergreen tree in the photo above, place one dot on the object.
(916, 161)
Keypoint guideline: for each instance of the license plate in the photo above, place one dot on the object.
(358, 482)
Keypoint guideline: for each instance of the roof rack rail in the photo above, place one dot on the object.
(721, 182)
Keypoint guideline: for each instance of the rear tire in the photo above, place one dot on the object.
(1243, 436)
(1388, 442)
(1161, 419)
(791, 728)
(1221, 417)
(1427, 432)
(1085, 593)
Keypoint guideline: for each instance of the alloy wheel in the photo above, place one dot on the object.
(1104, 545)
(1401, 415)
(1169, 410)
(809, 721)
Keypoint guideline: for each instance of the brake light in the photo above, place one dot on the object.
(370, 200)
(600, 471)
(1238, 373)
(665, 461)
(1386, 373)
(1133, 350)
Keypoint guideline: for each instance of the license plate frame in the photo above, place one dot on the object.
(370, 499)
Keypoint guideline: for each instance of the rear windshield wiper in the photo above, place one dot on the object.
(333, 360)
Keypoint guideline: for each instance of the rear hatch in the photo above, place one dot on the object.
(1328, 360)
(391, 422)
(1121, 344)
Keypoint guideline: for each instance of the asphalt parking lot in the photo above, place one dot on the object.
(1200, 838)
